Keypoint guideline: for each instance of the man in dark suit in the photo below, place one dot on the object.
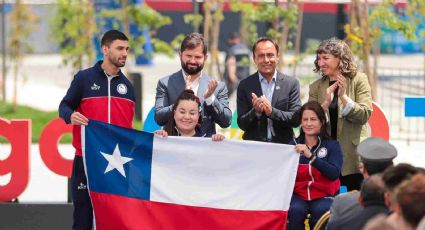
(268, 100)
(212, 94)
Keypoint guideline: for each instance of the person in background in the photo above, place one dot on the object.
(372, 199)
(411, 199)
(319, 167)
(376, 155)
(185, 118)
(102, 93)
(237, 62)
(345, 95)
(267, 101)
(380, 222)
(393, 177)
(212, 94)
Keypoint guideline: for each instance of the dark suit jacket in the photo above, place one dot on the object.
(346, 212)
(285, 102)
(169, 89)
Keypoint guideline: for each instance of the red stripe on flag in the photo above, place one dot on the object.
(118, 212)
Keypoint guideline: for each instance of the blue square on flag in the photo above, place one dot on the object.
(107, 147)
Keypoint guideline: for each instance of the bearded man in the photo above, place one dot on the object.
(212, 94)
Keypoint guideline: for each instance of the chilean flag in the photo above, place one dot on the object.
(138, 180)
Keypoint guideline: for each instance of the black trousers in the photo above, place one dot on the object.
(83, 211)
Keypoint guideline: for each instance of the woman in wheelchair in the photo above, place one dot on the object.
(319, 168)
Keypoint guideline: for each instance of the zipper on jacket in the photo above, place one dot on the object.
(109, 99)
(310, 171)
(310, 182)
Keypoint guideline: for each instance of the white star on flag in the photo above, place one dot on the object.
(116, 161)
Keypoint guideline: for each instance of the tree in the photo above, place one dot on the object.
(282, 17)
(143, 18)
(73, 27)
(365, 29)
(213, 10)
(249, 16)
(416, 11)
(22, 24)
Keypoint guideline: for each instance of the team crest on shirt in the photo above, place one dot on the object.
(322, 152)
(122, 89)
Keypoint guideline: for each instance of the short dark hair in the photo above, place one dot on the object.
(393, 176)
(193, 40)
(373, 190)
(111, 36)
(264, 39)
(318, 110)
(375, 167)
(187, 95)
(411, 198)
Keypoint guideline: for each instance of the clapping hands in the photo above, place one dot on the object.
(261, 104)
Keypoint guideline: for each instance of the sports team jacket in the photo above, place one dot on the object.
(98, 97)
(320, 178)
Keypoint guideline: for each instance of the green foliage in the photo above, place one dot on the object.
(74, 25)
(72, 28)
(383, 16)
(22, 24)
(310, 50)
(176, 43)
(416, 7)
(249, 16)
(194, 19)
(39, 119)
(416, 12)
(264, 12)
(144, 18)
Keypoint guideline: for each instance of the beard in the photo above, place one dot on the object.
(116, 62)
(192, 70)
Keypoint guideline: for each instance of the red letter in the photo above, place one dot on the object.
(48, 144)
(15, 168)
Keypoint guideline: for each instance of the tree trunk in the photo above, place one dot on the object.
(364, 25)
(15, 86)
(298, 34)
(360, 19)
(126, 31)
(276, 23)
(376, 53)
(284, 38)
(215, 32)
(207, 27)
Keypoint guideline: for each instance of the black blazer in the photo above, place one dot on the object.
(285, 102)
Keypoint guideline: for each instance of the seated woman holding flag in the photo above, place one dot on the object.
(185, 119)
(319, 168)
